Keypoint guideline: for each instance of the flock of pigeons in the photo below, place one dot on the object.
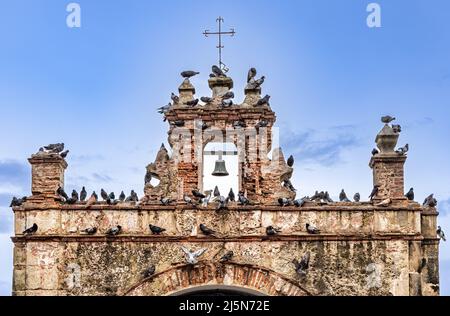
(226, 98)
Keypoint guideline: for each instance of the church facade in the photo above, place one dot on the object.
(259, 244)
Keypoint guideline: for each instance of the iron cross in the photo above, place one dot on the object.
(220, 20)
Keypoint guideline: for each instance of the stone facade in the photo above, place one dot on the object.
(363, 249)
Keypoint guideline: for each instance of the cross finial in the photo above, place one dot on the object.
(220, 20)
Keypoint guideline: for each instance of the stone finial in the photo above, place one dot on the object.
(47, 174)
(187, 91)
(220, 85)
(387, 139)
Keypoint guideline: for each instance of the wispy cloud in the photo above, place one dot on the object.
(323, 148)
(14, 177)
(444, 207)
(102, 177)
(6, 221)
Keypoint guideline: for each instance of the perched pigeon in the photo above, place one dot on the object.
(387, 119)
(204, 201)
(189, 73)
(112, 196)
(261, 124)
(343, 196)
(238, 124)
(64, 154)
(403, 150)
(175, 98)
(156, 230)
(251, 74)
(75, 195)
(55, 148)
(288, 184)
(242, 199)
(264, 101)
(441, 233)
(122, 197)
(228, 95)
(384, 203)
(149, 272)
(198, 195)
(327, 198)
(410, 194)
(303, 265)
(206, 231)
(311, 229)
(272, 231)
(114, 231)
(104, 195)
(357, 197)
(148, 178)
(231, 196)
(216, 192)
(187, 199)
(223, 204)
(90, 231)
(290, 161)
(192, 257)
(299, 203)
(397, 128)
(217, 71)
(83, 194)
(192, 103)
(179, 123)
(207, 100)
(30, 231)
(165, 201)
(92, 200)
(227, 103)
(227, 257)
(430, 201)
(374, 193)
(17, 202)
(164, 109)
(375, 152)
(284, 202)
(62, 193)
(258, 83)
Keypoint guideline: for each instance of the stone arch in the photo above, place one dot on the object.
(248, 278)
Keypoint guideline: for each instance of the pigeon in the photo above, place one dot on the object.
(55, 148)
(303, 265)
(299, 203)
(114, 231)
(403, 150)
(410, 194)
(242, 199)
(264, 101)
(192, 103)
(251, 74)
(62, 193)
(228, 95)
(104, 195)
(17, 202)
(238, 124)
(204, 201)
(441, 233)
(147, 178)
(156, 230)
(30, 231)
(149, 272)
(83, 194)
(343, 196)
(206, 231)
(192, 257)
(357, 197)
(272, 231)
(223, 204)
(198, 195)
(327, 197)
(231, 196)
(288, 184)
(259, 82)
(64, 154)
(430, 201)
(134, 196)
(227, 257)
(189, 74)
(290, 161)
(112, 196)
(90, 231)
(175, 98)
(75, 195)
(207, 100)
(227, 103)
(122, 197)
(397, 128)
(204, 126)
(374, 192)
(179, 123)
(164, 109)
(217, 71)
(92, 200)
(387, 119)
(187, 199)
(216, 192)
(311, 229)
(165, 201)
(263, 123)
(384, 203)
(375, 152)
(284, 202)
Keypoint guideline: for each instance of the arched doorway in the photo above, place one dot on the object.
(217, 290)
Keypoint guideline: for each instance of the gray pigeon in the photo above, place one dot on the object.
(206, 231)
(403, 150)
(387, 119)
(228, 95)
(264, 101)
(302, 266)
(30, 231)
(55, 148)
(122, 197)
(179, 123)
(259, 82)
(217, 71)
(192, 103)
(261, 124)
(62, 193)
(83, 194)
(288, 184)
(164, 109)
(90, 230)
(149, 272)
(156, 230)
(207, 100)
(227, 103)
(242, 199)
(410, 194)
(165, 201)
(192, 256)
(175, 98)
(327, 198)
(284, 202)
(290, 161)
(374, 193)
(64, 154)
(216, 192)
(343, 196)
(375, 152)
(299, 202)
(238, 124)
(147, 178)
(311, 229)
(104, 195)
(114, 231)
(227, 257)
(272, 231)
(223, 204)
(357, 197)
(189, 73)
(251, 74)
(231, 196)
(397, 128)
(187, 199)
(441, 233)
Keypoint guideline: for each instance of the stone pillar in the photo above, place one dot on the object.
(47, 174)
(252, 96)
(220, 85)
(187, 92)
(388, 173)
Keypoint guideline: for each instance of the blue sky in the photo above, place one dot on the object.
(330, 77)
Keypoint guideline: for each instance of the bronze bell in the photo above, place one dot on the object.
(220, 170)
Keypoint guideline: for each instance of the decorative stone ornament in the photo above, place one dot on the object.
(387, 140)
